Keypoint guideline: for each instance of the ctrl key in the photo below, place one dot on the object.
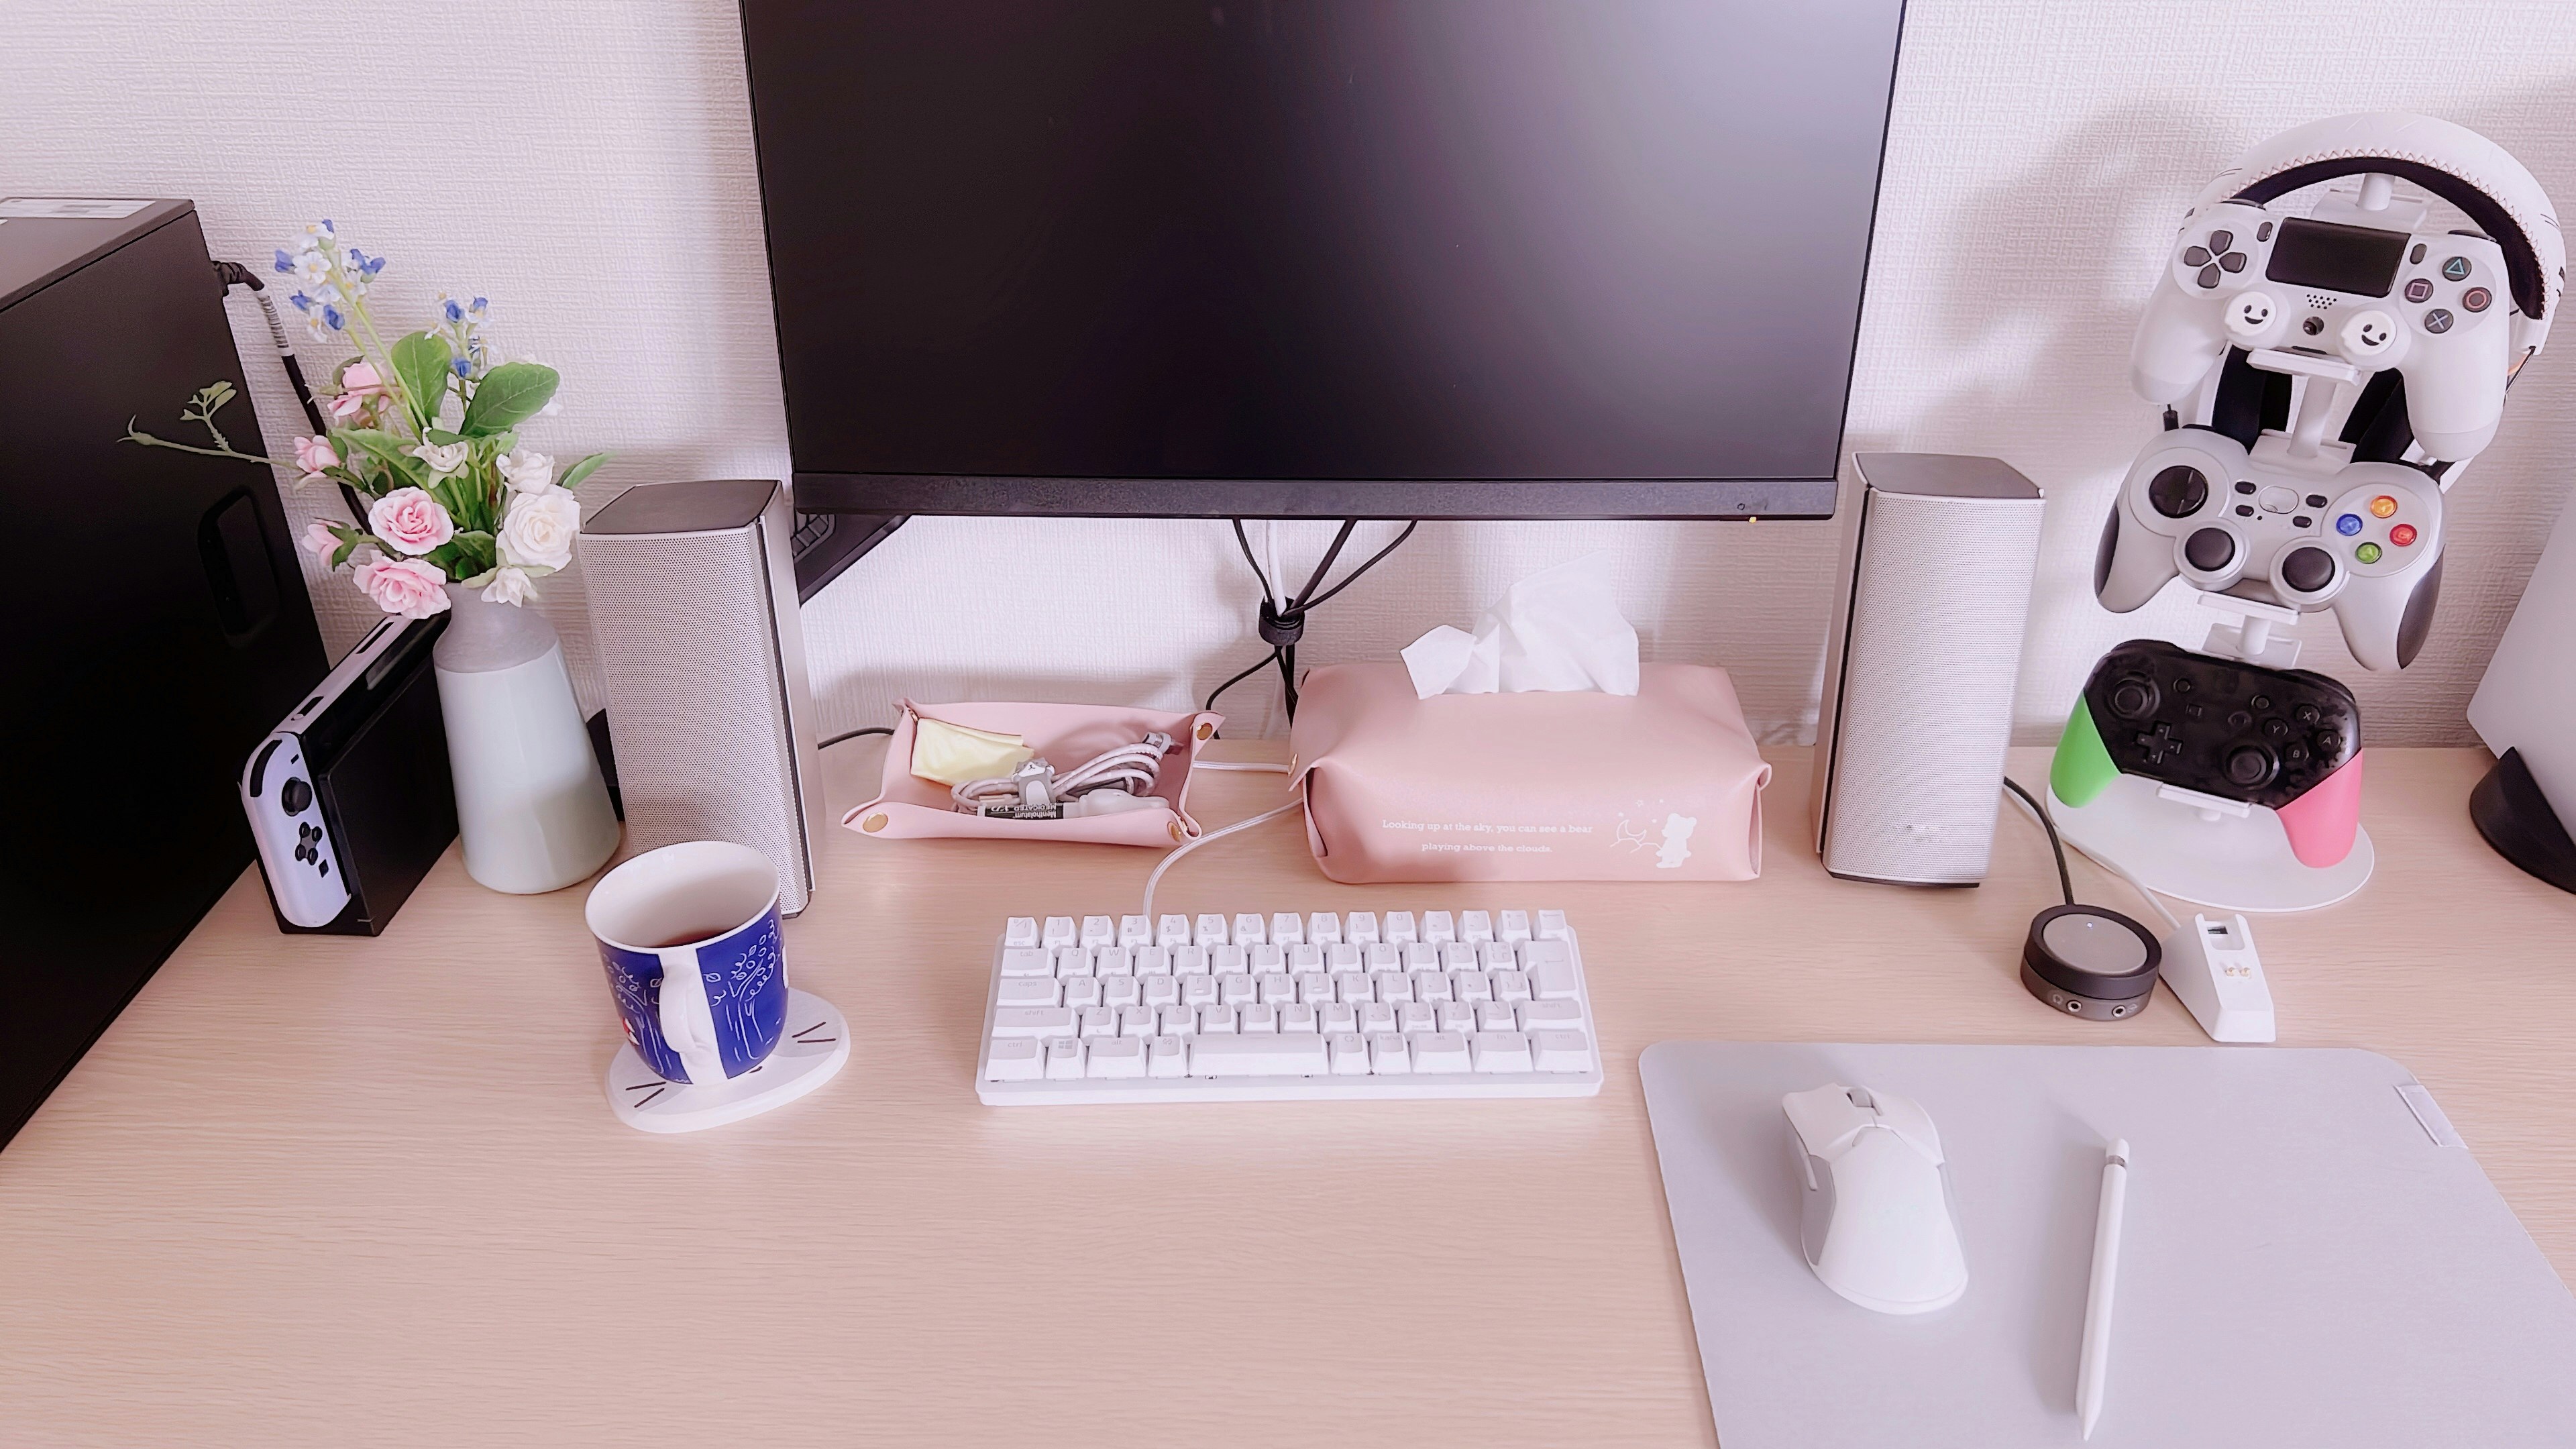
(1014, 1059)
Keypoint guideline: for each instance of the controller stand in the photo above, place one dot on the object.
(811, 1052)
(2201, 848)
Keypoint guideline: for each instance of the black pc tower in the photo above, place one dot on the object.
(154, 614)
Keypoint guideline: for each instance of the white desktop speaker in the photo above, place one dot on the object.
(693, 607)
(1929, 604)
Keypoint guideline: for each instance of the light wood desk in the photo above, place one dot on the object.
(320, 1191)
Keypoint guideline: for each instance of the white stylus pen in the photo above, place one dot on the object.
(2106, 1274)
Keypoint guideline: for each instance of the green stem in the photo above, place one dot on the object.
(137, 435)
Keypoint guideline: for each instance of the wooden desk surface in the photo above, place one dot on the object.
(318, 1191)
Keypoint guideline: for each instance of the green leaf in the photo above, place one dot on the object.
(509, 395)
(425, 366)
(385, 448)
(573, 475)
(478, 546)
(479, 580)
(440, 436)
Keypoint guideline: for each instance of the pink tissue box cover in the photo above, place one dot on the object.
(1662, 785)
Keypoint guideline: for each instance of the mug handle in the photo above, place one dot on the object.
(688, 1019)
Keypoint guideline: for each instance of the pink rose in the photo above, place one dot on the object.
(319, 538)
(314, 454)
(358, 386)
(403, 586)
(411, 521)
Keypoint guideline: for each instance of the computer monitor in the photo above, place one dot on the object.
(1337, 258)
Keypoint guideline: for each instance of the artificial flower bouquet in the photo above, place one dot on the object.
(426, 431)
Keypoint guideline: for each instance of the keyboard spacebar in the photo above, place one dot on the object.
(1297, 1054)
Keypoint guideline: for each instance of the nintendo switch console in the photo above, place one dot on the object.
(349, 798)
(2286, 740)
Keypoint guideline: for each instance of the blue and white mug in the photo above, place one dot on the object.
(689, 937)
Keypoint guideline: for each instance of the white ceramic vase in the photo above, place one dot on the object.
(530, 803)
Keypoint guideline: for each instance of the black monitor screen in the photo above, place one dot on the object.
(2358, 261)
(1373, 243)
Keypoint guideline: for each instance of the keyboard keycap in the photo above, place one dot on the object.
(1210, 932)
(1072, 960)
(1138, 1021)
(1082, 991)
(1419, 957)
(1135, 931)
(1059, 932)
(1314, 988)
(1399, 928)
(1258, 1056)
(1351, 988)
(1549, 965)
(1120, 991)
(1431, 986)
(1014, 1059)
(1158, 990)
(1323, 928)
(1536, 1016)
(1337, 1018)
(1117, 1056)
(1416, 1016)
(1153, 960)
(1515, 926)
(1020, 931)
(1308, 957)
(1300, 1017)
(1438, 929)
(1349, 1053)
(1064, 1059)
(1197, 990)
(1475, 927)
(1172, 931)
(1376, 1017)
(1189, 960)
(1496, 956)
(1390, 1055)
(1248, 931)
(1345, 958)
(1260, 1018)
(1165, 1056)
(1234, 988)
(1113, 961)
(1455, 957)
(1028, 961)
(1391, 986)
(1216, 1019)
(1456, 1016)
(1494, 1016)
(1099, 1021)
(1551, 926)
(1222, 959)
(1360, 928)
(1037, 1021)
(1286, 929)
(1180, 1020)
(1379, 956)
(1560, 1051)
(1275, 987)
(1510, 986)
(1029, 991)
(1440, 1053)
(1501, 1051)
(1099, 931)
(1269, 958)
(1471, 985)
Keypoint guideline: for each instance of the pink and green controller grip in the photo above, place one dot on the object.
(2285, 739)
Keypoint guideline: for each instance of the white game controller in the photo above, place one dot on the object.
(2363, 539)
(304, 872)
(2363, 279)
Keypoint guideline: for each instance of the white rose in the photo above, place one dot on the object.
(442, 458)
(528, 470)
(509, 586)
(538, 530)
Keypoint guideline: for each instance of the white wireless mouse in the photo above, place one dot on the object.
(1878, 1222)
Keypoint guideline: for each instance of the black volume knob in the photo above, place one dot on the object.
(2178, 491)
(2249, 766)
(2133, 698)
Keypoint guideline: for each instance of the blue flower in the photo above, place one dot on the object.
(366, 266)
(327, 226)
(479, 304)
(454, 312)
(285, 263)
(302, 303)
(331, 315)
(464, 368)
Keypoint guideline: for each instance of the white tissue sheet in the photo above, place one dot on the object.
(1558, 629)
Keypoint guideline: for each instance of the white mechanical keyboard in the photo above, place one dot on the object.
(1287, 1008)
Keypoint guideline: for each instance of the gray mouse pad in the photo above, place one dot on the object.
(2310, 1256)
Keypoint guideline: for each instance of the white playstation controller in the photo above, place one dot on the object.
(2364, 279)
(2432, 305)
(2364, 539)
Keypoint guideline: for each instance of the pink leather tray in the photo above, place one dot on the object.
(908, 806)
(1662, 785)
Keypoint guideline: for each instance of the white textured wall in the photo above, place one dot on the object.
(588, 166)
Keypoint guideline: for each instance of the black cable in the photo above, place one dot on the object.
(1283, 619)
(1238, 679)
(2065, 882)
(234, 274)
(854, 734)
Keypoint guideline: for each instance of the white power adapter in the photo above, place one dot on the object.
(2212, 969)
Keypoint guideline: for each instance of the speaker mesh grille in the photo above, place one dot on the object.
(688, 654)
(1939, 602)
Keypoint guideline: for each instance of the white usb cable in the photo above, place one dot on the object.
(1173, 858)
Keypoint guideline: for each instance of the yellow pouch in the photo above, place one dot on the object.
(954, 754)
